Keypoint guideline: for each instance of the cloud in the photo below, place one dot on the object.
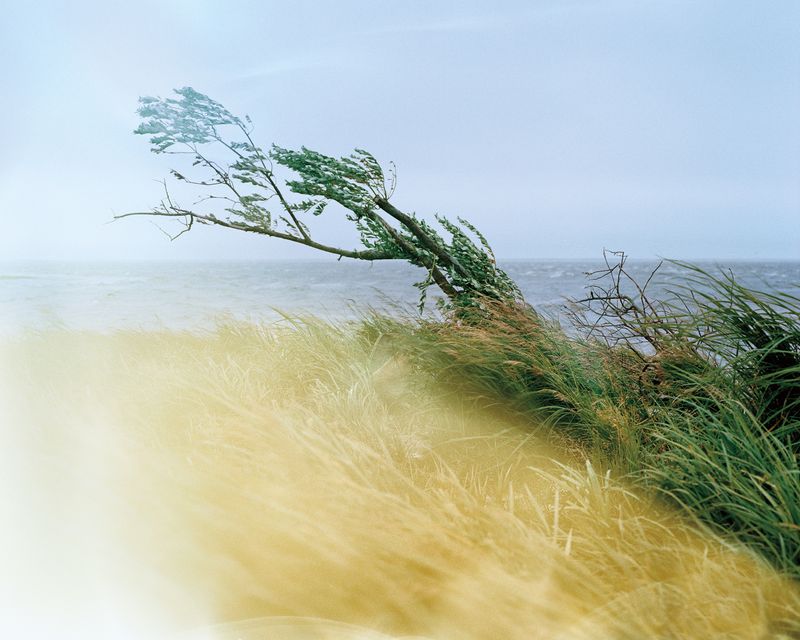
(292, 64)
(456, 24)
(517, 16)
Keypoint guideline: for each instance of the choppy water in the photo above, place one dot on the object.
(195, 295)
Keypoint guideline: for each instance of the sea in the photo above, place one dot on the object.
(198, 296)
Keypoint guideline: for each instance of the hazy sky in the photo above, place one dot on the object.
(663, 127)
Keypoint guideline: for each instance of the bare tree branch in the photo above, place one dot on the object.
(211, 219)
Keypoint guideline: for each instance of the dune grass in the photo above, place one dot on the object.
(697, 396)
(286, 474)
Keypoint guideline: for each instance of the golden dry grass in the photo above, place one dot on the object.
(250, 482)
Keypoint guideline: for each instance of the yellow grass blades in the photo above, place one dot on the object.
(268, 481)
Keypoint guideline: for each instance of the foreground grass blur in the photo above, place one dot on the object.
(165, 481)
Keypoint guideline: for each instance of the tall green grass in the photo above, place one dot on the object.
(696, 395)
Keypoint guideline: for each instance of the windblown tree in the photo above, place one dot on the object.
(244, 189)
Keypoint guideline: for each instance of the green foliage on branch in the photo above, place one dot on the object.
(245, 192)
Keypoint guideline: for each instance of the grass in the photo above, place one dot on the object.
(447, 481)
(696, 396)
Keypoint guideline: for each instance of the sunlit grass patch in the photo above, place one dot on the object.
(310, 471)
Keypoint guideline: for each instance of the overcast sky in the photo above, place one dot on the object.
(663, 127)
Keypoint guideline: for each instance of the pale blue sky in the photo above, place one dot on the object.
(663, 127)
